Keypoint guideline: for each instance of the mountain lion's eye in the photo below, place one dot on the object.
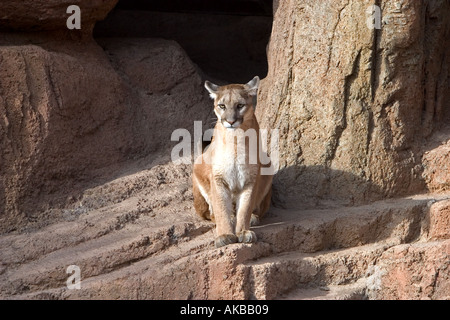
(240, 106)
(221, 106)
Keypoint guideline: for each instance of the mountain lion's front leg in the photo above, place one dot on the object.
(244, 208)
(223, 209)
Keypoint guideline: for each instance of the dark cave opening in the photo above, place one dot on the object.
(227, 39)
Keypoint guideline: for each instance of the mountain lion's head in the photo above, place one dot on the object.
(233, 104)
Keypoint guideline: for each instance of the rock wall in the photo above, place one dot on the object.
(436, 163)
(57, 119)
(352, 103)
(41, 15)
(72, 112)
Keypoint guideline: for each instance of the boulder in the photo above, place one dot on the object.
(352, 104)
(59, 120)
(37, 15)
(71, 114)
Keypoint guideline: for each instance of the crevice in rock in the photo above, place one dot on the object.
(226, 39)
(330, 44)
(342, 124)
(376, 69)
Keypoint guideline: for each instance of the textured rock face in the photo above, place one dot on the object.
(57, 120)
(352, 103)
(420, 270)
(51, 14)
(413, 272)
(437, 168)
(439, 221)
(164, 84)
(69, 114)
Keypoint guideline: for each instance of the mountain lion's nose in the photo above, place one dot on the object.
(231, 122)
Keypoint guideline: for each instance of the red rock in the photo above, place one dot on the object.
(437, 168)
(439, 221)
(36, 15)
(415, 271)
(350, 102)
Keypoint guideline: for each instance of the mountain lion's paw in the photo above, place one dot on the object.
(254, 220)
(246, 236)
(225, 239)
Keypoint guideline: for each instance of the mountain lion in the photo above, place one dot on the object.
(228, 186)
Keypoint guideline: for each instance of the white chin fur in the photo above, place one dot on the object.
(229, 126)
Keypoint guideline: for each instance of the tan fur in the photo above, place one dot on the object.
(233, 189)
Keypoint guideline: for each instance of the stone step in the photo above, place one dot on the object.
(296, 249)
(271, 277)
(100, 255)
(344, 227)
(353, 291)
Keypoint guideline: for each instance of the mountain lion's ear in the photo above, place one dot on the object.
(252, 86)
(212, 89)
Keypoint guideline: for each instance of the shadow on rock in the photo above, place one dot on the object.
(304, 187)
